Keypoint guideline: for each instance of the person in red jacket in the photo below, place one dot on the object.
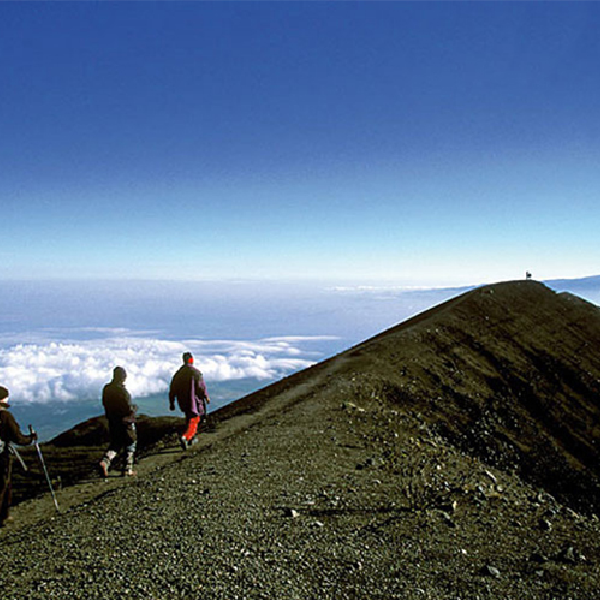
(189, 389)
(10, 433)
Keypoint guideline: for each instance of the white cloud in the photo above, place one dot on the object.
(72, 370)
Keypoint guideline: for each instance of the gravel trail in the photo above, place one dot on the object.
(320, 500)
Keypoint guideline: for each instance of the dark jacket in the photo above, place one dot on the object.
(117, 403)
(11, 432)
(189, 389)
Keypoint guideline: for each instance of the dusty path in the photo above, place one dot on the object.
(311, 497)
(30, 512)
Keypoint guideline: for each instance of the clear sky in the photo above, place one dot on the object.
(425, 142)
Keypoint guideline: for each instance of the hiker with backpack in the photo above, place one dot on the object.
(10, 433)
(120, 413)
(189, 389)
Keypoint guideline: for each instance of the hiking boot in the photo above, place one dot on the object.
(103, 468)
(184, 443)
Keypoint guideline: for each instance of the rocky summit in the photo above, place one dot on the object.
(454, 456)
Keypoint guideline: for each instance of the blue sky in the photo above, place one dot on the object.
(420, 143)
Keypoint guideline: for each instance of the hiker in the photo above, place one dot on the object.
(120, 413)
(10, 433)
(189, 389)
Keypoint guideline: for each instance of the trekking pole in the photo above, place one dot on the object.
(16, 454)
(39, 451)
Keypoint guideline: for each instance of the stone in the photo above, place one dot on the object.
(491, 571)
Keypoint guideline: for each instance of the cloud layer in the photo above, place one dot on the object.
(72, 370)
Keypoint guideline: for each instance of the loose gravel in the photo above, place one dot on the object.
(319, 499)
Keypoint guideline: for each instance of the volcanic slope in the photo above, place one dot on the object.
(452, 456)
(509, 373)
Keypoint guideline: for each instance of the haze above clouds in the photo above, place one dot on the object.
(56, 341)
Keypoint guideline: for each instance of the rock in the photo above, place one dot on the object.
(491, 571)
(570, 555)
(538, 558)
(448, 520)
(491, 476)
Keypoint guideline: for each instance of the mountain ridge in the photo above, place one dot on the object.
(479, 359)
(452, 455)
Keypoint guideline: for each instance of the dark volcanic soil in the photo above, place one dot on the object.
(450, 457)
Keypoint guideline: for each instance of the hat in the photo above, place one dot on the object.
(188, 359)
(3, 396)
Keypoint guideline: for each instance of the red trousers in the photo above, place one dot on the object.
(192, 427)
